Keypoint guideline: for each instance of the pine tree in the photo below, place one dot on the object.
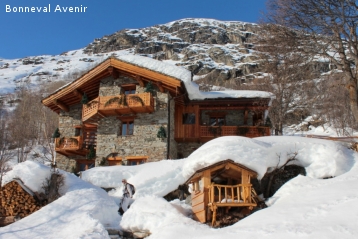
(161, 133)
(92, 153)
(84, 99)
(268, 122)
(149, 88)
(56, 134)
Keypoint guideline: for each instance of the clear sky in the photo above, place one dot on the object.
(36, 33)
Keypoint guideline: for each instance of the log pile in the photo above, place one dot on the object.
(17, 202)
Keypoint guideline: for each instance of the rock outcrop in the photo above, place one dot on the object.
(203, 46)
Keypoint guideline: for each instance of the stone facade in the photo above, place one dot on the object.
(144, 141)
(173, 151)
(185, 149)
(66, 126)
(110, 141)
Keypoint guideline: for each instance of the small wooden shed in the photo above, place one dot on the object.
(223, 184)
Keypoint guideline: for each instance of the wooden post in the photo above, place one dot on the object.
(246, 117)
(206, 184)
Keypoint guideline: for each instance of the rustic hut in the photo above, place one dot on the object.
(224, 184)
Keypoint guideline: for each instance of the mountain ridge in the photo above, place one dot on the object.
(203, 46)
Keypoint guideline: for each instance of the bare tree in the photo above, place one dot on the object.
(288, 74)
(331, 28)
(5, 154)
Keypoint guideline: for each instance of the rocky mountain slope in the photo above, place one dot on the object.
(207, 47)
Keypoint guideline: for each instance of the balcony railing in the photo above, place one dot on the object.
(90, 109)
(118, 104)
(68, 144)
(248, 131)
(233, 195)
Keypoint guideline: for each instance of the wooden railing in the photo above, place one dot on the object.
(90, 109)
(222, 195)
(132, 101)
(117, 104)
(72, 143)
(248, 131)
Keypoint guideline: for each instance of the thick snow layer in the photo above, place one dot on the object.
(305, 207)
(83, 211)
(321, 158)
(185, 76)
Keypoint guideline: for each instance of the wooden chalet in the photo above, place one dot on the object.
(225, 184)
(122, 117)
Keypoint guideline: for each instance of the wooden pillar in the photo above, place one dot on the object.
(246, 115)
(206, 184)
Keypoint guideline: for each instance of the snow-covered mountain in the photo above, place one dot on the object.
(203, 46)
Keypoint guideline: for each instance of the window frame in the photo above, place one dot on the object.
(128, 89)
(128, 130)
(188, 116)
(138, 159)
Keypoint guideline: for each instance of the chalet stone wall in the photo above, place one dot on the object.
(66, 126)
(109, 86)
(173, 151)
(185, 149)
(232, 117)
(68, 120)
(144, 141)
(65, 163)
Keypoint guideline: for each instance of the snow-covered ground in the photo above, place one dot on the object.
(305, 207)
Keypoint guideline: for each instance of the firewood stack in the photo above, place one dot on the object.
(16, 202)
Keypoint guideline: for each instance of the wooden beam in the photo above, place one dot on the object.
(113, 72)
(160, 86)
(140, 80)
(78, 94)
(61, 105)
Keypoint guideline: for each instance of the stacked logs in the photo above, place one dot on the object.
(16, 202)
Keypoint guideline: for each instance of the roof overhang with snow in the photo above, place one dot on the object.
(88, 83)
(228, 167)
(167, 77)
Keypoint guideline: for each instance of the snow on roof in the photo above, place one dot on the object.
(184, 75)
(83, 211)
(321, 158)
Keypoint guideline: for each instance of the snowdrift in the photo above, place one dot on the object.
(305, 207)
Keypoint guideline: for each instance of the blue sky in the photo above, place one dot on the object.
(30, 34)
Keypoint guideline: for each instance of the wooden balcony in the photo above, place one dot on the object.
(70, 146)
(247, 131)
(104, 106)
(191, 132)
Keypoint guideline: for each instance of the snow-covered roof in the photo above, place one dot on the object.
(185, 76)
(176, 72)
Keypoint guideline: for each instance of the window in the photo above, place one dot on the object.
(136, 160)
(188, 118)
(128, 89)
(127, 128)
(216, 118)
(84, 164)
(217, 121)
(112, 161)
